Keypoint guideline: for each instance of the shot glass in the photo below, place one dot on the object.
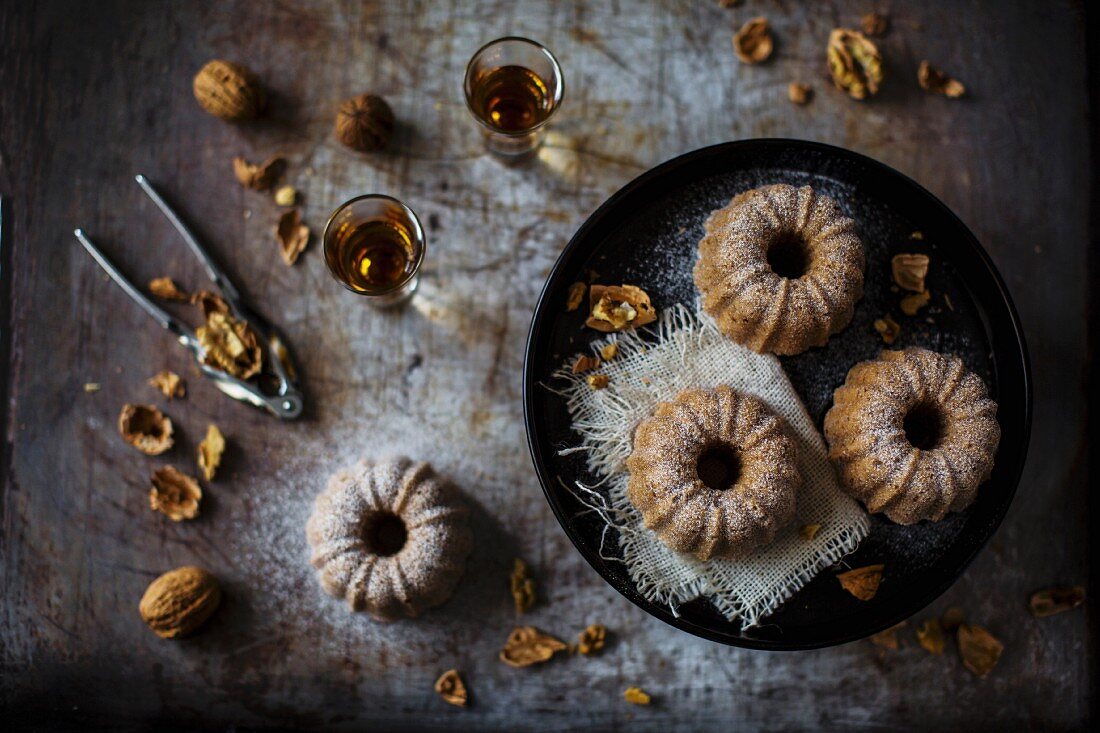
(374, 246)
(513, 86)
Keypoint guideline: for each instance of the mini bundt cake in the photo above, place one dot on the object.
(912, 434)
(714, 473)
(780, 269)
(390, 537)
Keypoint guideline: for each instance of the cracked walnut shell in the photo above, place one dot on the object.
(146, 428)
(258, 176)
(180, 601)
(753, 43)
(228, 91)
(175, 494)
(364, 123)
(854, 63)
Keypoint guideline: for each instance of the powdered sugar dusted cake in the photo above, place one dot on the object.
(780, 268)
(912, 434)
(714, 473)
(391, 538)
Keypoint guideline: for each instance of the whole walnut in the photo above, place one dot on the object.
(364, 123)
(229, 91)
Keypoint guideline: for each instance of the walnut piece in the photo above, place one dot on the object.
(229, 91)
(978, 648)
(1055, 600)
(576, 296)
(451, 688)
(146, 428)
(527, 645)
(874, 24)
(230, 345)
(862, 582)
(888, 328)
(753, 43)
(931, 636)
(210, 452)
(636, 696)
(592, 639)
(175, 494)
(933, 80)
(913, 302)
(617, 307)
(292, 235)
(169, 383)
(209, 303)
(180, 601)
(808, 531)
(888, 638)
(585, 363)
(286, 196)
(598, 381)
(364, 123)
(854, 62)
(523, 586)
(166, 289)
(799, 93)
(909, 271)
(610, 351)
(259, 177)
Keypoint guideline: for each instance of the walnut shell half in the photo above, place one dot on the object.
(229, 91)
(146, 428)
(178, 602)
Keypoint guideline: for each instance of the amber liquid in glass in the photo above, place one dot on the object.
(512, 99)
(375, 256)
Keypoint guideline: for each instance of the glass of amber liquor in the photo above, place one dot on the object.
(374, 246)
(513, 86)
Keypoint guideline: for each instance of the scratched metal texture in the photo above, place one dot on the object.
(91, 93)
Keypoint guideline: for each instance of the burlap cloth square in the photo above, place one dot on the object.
(685, 349)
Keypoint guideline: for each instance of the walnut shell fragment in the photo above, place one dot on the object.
(636, 696)
(230, 345)
(1055, 600)
(146, 428)
(592, 639)
(523, 586)
(452, 689)
(259, 177)
(862, 582)
(210, 452)
(576, 296)
(887, 328)
(799, 93)
(618, 307)
(175, 494)
(364, 123)
(585, 363)
(229, 91)
(170, 384)
(935, 81)
(527, 645)
(753, 42)
(911, 304)
(909, 271)
(292, 235)
(854, 62)
(978, 648)
(180, 601)
(166, 289)
(931, 636)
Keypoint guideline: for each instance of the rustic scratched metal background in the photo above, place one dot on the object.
(91, 93)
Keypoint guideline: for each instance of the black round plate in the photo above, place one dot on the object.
(646, 235)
